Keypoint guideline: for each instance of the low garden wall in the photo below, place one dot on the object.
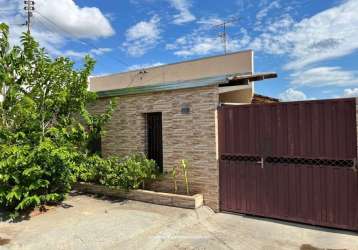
(167, 199)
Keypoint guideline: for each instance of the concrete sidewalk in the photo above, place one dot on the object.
(90, 223)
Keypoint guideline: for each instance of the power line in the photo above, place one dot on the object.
(45, 24)
(15, 24)
(78, 39)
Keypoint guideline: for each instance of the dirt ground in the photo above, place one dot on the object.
(85, 222)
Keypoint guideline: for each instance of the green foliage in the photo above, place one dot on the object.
(39, 92)
(95, 125)
(30, 176)
(130, 172)
(43, 144)
(46, 132)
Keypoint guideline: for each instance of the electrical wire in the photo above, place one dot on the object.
(80, 40)
(15, 24)
(91, 45)
(43, 23)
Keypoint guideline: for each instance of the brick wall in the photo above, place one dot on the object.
(185, 136)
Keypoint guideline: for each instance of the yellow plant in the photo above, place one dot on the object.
(184, 165)
(174, 176)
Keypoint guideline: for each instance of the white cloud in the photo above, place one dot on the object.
(264, 11)
(184, 15)
(8, 5)
(100, 75)
(85, 22)
(144, 66)
(272, 41)
(209, 22)
(50, 40)
(81, 54)
(48, 28)
(326, 35)
(292, 95)
(325, 76)
(72, 53)
(142, 37)
(193, 45)
(100, 51)
(350, 92)
(200, 42)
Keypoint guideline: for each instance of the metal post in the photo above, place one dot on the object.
(224, 34)
(29, 7)
(225, 39)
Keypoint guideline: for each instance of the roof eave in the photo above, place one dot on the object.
(164, 87)
(221, 81)
(246, 79)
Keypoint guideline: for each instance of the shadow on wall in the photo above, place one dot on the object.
(4, 241)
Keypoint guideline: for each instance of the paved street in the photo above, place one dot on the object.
(90, 223)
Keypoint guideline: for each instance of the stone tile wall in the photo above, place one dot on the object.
(189, 136)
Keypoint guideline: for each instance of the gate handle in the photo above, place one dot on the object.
(262, 161)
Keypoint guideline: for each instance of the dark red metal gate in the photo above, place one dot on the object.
(293, 161)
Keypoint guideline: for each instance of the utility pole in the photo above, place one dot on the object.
(29, 7)
(223, 35)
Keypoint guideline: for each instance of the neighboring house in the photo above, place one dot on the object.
(261, 99)
(170, 113)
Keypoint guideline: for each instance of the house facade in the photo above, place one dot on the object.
(170, 113)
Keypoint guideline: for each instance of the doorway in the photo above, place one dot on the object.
(155, 139)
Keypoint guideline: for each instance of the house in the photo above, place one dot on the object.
(261, 99)
(247, 153)
(169, 112)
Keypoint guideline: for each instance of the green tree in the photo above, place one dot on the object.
(42, 139)
(39, 93)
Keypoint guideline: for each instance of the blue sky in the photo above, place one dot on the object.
(311, 44)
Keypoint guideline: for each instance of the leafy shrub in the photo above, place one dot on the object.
(45, 129)
(30, 176)
(128, 173)
(94, 169)
(137, 170)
